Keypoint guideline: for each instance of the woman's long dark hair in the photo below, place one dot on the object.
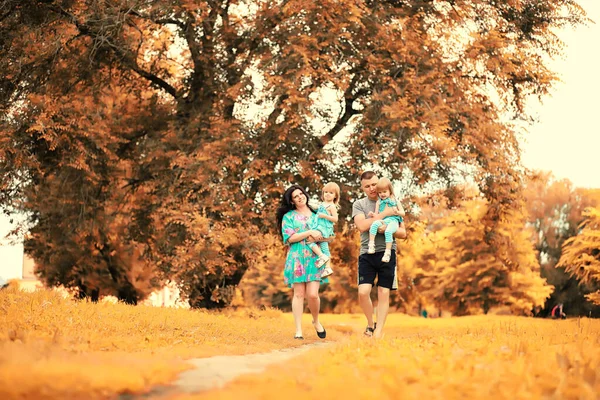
(287, 204)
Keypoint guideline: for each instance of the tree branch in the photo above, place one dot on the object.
(128, 59)
(350, 96)
(188, 30)
(189, 34)
(158, 21)
(133, 65)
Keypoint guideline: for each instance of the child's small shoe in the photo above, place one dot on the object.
(322, 260)
(326, 272)
(371, 249)
(386, 256)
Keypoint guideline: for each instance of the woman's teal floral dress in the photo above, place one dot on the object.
(300, 264)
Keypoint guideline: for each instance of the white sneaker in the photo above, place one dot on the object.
(386, 256)
(371, 249)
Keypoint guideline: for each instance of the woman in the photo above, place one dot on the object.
(294, 217)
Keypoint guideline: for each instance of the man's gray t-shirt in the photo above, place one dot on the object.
(364, 206)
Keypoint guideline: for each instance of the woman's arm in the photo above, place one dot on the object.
(312, 239)
(291, 231)
(300, 236)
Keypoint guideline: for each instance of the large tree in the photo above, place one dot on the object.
(459, 271)
(555, 209)
(224, 102)
(581, 253)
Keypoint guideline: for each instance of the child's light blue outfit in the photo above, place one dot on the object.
(324, 226)
(392, 222)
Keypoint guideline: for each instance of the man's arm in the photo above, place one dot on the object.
(401, 232)
(397, 210)
(376, 212)
(363, 223)
(360, 218)
(387, 212)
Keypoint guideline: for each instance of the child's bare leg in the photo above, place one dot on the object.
(389, 239)
(316, 249)
(327, 269)
(372, 234)
(323, 258)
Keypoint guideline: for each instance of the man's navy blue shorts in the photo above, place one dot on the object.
(370, 266)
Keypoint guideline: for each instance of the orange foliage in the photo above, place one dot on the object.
(581, 253)
(169, 128)
(555, 210)
(456, 267)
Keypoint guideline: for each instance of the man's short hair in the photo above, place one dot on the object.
(367, 175)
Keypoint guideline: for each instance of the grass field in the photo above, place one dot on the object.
(51, 347)
(480, 357)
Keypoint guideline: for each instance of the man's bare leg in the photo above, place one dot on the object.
(383, 306)
(364, 299)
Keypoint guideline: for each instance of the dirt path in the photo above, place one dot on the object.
(216, 372)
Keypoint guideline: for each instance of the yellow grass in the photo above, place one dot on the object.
(52, 347)
(496, 357)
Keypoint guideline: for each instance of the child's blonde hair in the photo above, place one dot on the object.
(385, 184)
(333, 187)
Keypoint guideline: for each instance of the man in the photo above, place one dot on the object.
(370, 266)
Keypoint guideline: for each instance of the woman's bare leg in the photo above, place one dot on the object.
(298, 306)
(314, 303)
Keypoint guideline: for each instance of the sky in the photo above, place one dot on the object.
(565, 138)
